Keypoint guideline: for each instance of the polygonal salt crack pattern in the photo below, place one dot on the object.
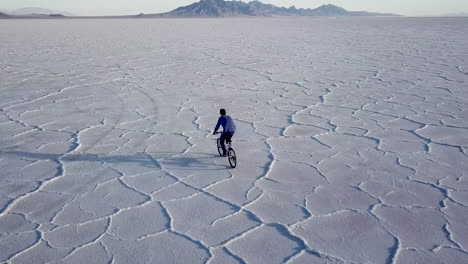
(352, 141)
(272, 240)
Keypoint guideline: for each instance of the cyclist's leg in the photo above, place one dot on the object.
(222, 139)
(229, 136)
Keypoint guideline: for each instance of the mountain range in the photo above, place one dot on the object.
(211, 8)
(221, 8)
(33, 11)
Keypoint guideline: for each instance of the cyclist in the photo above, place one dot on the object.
(229, 128)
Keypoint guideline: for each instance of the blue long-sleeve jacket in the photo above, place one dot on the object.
(227, 123)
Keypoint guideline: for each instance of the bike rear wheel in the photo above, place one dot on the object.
(232, 158)
(220, 149)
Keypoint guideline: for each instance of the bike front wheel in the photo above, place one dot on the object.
(232, 158)
(220, 149)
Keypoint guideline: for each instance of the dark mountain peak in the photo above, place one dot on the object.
(330, 9)
(213, 8)
(330, 6)
(212, 1)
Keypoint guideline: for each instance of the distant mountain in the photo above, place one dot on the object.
(36, 11)
(3, 15)
(212, 8)
(221, 8)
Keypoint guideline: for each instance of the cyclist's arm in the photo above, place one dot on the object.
(217, 126)
(221, 122)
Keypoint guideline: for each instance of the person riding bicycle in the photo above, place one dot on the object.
(229, 128)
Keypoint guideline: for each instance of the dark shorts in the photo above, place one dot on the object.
(226, 136)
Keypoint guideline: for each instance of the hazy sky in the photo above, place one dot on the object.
(113, 7)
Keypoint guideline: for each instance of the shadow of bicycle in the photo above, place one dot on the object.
(155, 160)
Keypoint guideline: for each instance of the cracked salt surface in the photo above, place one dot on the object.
(351, 141)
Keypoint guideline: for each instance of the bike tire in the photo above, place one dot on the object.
(232, 158)
(220, 149)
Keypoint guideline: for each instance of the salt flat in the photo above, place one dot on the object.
(352, 141)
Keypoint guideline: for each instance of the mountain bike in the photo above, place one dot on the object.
(231, 154)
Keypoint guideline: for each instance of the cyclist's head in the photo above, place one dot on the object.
(222, 111)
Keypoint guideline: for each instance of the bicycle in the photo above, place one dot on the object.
(231, 154)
